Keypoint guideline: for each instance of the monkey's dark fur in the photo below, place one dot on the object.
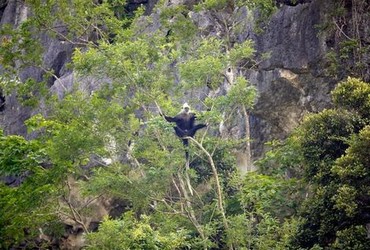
(185, 126)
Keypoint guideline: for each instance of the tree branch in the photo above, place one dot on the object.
(218, 186)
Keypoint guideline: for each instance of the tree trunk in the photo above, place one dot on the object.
(248, 153)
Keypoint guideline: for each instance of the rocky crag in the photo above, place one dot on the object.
(292, 80)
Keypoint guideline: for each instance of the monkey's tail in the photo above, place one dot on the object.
(187, 155)
(187, 164)
(186, 148)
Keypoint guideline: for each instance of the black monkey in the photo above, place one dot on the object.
(185, 125)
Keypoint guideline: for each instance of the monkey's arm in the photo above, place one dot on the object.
(199, 126)
(169, 118)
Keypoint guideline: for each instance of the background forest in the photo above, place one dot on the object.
(98, 167)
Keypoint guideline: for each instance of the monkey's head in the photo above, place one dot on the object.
(185, 107)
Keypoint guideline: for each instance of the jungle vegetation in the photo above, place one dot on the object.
(310, 191)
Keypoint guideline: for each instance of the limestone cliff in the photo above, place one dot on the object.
(295, 80)
(292, 81)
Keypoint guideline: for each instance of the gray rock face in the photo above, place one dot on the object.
(292, 38)
(56, 55)
(12, 114)
(290, 82)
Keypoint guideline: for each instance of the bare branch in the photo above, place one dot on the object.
(218, 186)
(341, 30)
(74, 212)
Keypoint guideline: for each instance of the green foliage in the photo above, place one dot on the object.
(349, 54)
(215, 5)
(345, 199)
(241, 51)
(334, 144)
(78, 127)
(354, 237)
(323, 138)
(205, 65)
(203, 70)
(265, 7)
(352, 170)
(112, 140)
(130, 233)
(330, 149)
(19, 45)
(261, 194)
(266, 203)
(242, 93)
(322, 220)
(265, 10)
(284, 158)
(68, 140)
(19, 156)
(80, 23)
(237, 232)
(333, 66)
(353, 95)
(354, 164)
(138, 69)
(263, 232)
(80, 18)
(27, 206)
(178, 26)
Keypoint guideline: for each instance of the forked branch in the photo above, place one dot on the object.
(218, 186)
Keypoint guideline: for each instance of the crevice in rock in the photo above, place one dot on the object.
(2, 101)
(57, 67)
(3, 4)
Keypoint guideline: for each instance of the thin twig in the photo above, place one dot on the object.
(341, 30)
(90, 201)
(190, 210)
